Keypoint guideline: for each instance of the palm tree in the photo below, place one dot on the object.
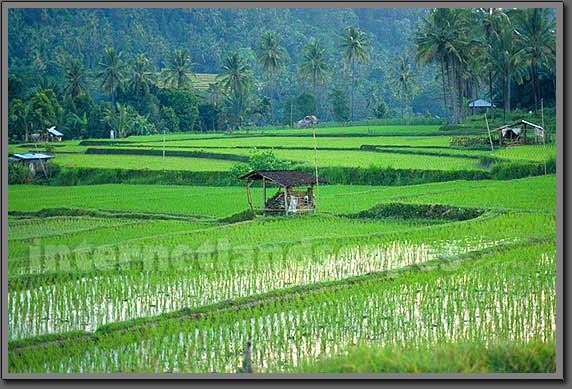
(214, 94)
(236, 79)
(271, 56)
(537, 43)
(354, 45)
(75, 80)
(504, 57)
(179, 72)
(444, 38)
(111, 74)
(141, 77)
(313, 63)
(403, 81)
(492, 20)
(118, 119)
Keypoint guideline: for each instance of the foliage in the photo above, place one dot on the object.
(178, 74)
(527, 357)
(354, 45)
(381, 110)
(412, 211)
(169, 121)
(470, 142)
(236, 79)
(340, 104)
(184, 103)
(314, 65)
(111, 72)
(261, 160)
(19, 173)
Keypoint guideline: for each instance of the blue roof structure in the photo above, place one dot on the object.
(480, 103)
(32, 156)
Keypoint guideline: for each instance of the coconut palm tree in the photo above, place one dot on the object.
(111, 74)
(236, 79)
(505, 58)
(75, 80)
(271, 56)
(537, 42)
(491, 20)
(179, 72)
(140, 78)
(354, 45)
(313, 63)
(404, 75)
(444, 38)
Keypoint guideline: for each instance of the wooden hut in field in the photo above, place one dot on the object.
(290, 197)
(36, 162)
(516, 133)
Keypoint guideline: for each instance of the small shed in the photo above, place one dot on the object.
(54, 134)
(308, 120)
(516, 133)
(35, 161)
(480, 106)
(289, 197)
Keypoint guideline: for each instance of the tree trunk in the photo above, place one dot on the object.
(444, 88)
(508, 82)
(535, 86)
(352, 93)
(491, 92)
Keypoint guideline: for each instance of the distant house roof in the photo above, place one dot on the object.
(32, 156)
(480, 103)
(54, 132)
(283, 177)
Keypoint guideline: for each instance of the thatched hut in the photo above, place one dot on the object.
(289, 197)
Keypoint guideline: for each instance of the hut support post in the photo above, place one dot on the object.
(249, 195)
(264, 192)
(286, 200)
(311, 195)
(489, 131)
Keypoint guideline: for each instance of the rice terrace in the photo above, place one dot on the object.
(237, 191)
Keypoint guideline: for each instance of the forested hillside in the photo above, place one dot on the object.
(135, 70)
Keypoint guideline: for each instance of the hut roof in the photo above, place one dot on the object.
(32, 156)
(520, 122)
(52, 130)
(283, 177)
(480, 103)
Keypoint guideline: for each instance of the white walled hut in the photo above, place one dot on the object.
(289, 197)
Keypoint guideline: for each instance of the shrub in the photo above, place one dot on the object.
(470, 142)
(19, 173)
(261, 160)
(421, 211)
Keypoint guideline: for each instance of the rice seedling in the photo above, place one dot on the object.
(422, 309)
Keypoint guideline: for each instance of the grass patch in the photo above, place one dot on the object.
(534, 356)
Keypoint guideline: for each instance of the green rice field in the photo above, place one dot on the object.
(444, 276)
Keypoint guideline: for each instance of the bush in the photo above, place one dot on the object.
(511, 171)
(19, 173)
(261, 160)
(470, 142)
(421, 211)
